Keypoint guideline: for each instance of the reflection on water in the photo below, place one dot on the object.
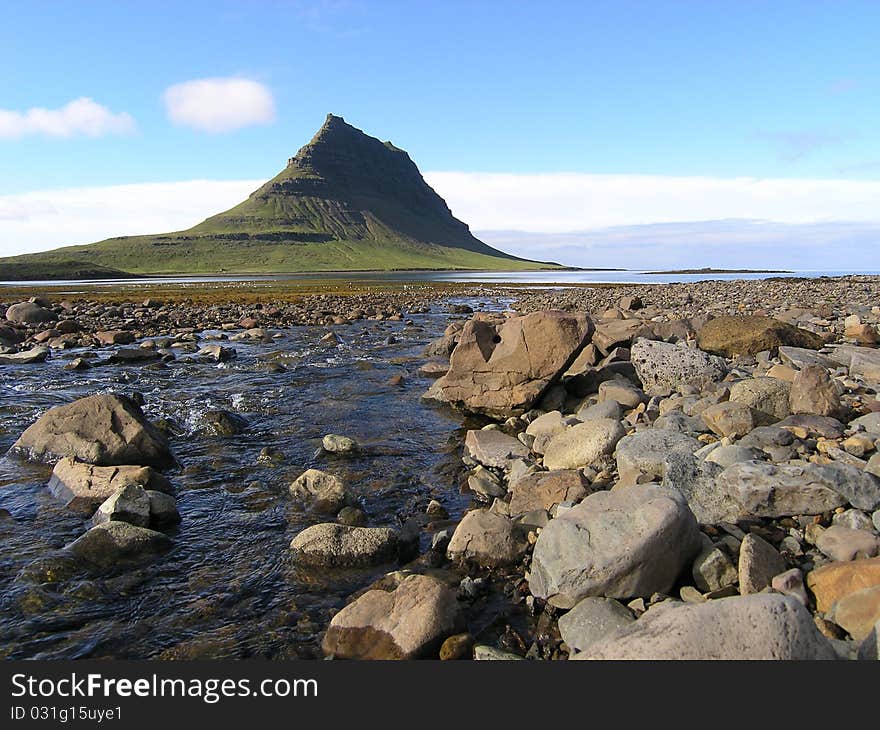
(227, 588)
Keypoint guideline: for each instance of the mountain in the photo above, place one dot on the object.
(345, 202)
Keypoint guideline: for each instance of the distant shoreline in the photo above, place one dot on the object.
(721, 271)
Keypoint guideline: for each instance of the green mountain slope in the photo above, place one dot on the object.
(345, 202)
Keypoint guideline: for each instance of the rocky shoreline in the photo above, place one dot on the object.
(667, 471)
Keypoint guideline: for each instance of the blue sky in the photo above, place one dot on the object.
(635, 90)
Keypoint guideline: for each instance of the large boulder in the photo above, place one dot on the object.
(502, 368)
(762, 626)
(83, 486)
(631, 541)
(333, 545)
(666, 368)
(750, 334)
(487, 538)
(29, 313)
(105, 544)
(409, 622)
(105, 430)
(582, 444)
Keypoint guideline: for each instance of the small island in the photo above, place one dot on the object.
(708, 270)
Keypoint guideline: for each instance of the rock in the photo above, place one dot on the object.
(854, 519)
(434, 369)
(763, 626)
(791, 583)
(760, 489)
(218, 353)
(486, 538)
(726, 456)
(695, 480)
(759, 563)
(26, 357)
(352, 516)
(493, 448)
(130, 503)
(333, 545)
(606, 409)
(633, 541)
(104, 430)
(869, 649)
(490, 653)
(409, 622)
(29, 313)
(858, 613)
(861, 489)
(616, 332)
(748, 335)
(114, 337)
(623, 392)
(813, 391)
(805, 423)
(110, 542)
(713, 570)
(768, 396)
(631, 303)
(844, 543)
(666, 368)
(800, 357)
(84, 487)
(545, 427)
(866, 364)
(458, 646)
(544, 489)
(225, 423)
(502, 368)
(731, 419)
(163, 508)
(591, 620)
(582, 444)
(336, 444)
(831, 583)
(645, 452)
(485, 484)
(323, 492)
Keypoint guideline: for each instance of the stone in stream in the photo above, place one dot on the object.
(337, 444)
(750, 334)
(486, 538)
(503, 367)
(110, 542)
(543, 489)
(333, 545)
(493, 448)
(582, 444)
(29, 313)
(591, 620)
(218, 353)
(646, 452)
(631, 541)
(666, 368)
(224, 423)
(163, 508)
(759, 563)
(104, 430)
(132, 356)
(26, 357)
(114, 337)
(409, 622)
(321, 491)
(761, 626)
(83, 487)
(130, 503)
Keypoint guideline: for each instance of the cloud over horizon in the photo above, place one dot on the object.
(218, 105)
(79, 117)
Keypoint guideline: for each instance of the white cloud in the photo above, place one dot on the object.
(219, 104)
(80, 117)
(558, 202)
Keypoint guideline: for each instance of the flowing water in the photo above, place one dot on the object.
(228, 587)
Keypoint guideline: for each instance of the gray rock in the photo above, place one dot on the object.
(647, 451)
(322, 492)
(591, 620)
(681, 422)
(606, 409)
(768, 396)
(759, 563)
(869, 649)
(800, 357)
(632, 541)
(732, 454)
(583, 444)
(336, 444)
(854, 519)
(106, 544)
(163, 508)
(83, 487)
(333, 545)
(695, 480)
(843, 543)
(487, 538)
(484, 483)
(713, 570)
(861, 489)
(490, 653)
(791, 583)
(29, 313)
(27, 357)
(762, 626)
(130, 503)
(666, 368)
(493, 448)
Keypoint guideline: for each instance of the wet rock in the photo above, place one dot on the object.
(813, 391)
(486, 538)
(759, 563)
(632, 541)
(100, 429)
(748, 335)
(26, 357)
(352, 516)
(762, 626)
(163, 508)
(459, 646)
(646, 452)
(225, 423)
(583, 444)
(337, 444)
(322, 492)
(218, 353)
(105, 544)
(493, 448)
(844, 543)
(409, 622)
(591, 620)
(130, 504)
(666, 368)
(502, 368)
(334, 545)
(114, 337)
(434, 369)
(544, 489)
(84, 487)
